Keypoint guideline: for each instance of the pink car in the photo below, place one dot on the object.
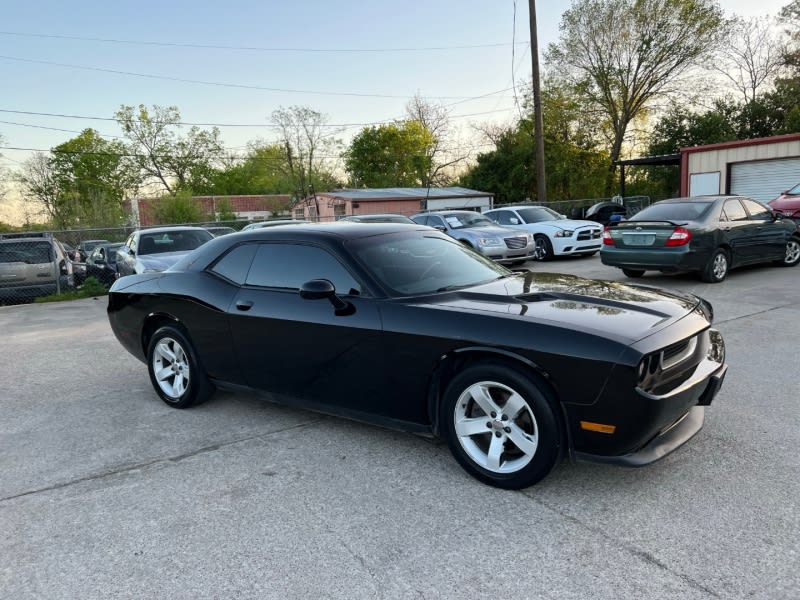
(788, 203)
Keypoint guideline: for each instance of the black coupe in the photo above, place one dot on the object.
(405, 327)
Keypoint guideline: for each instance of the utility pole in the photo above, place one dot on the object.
(538, 134)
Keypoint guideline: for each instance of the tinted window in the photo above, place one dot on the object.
(756, 210)
(673, 211)
(538, 214)
(734, 211)
(436, 221)
(420, 219)
(291, 265)
(503, 217)
(236, 263)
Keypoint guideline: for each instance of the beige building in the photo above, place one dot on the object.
(761, 168)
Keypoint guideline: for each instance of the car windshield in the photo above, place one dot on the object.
(795, 190)
(467, 219)
(173, 241)
(418, 264)
(673, 211)
(537, 214)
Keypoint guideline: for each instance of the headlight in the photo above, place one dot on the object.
(489, 242)
(564, 233)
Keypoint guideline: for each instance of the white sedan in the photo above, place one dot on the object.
(555, 235)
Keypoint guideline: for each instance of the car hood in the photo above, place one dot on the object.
(785, 201)
(161, 262)
(568, 224)
(627, 313)
(488, 231)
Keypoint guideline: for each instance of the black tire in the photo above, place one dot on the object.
(717, 267)
(792, 257)
(633, 273)
(175, 373)
(544, 249)
(525, 445)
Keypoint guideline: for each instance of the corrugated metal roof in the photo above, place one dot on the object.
(404, 193)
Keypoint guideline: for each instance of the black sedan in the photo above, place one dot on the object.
(405, 327)
(707, 234)
(102, 263)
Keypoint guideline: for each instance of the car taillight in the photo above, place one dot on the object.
(607, 239)
(680, 237)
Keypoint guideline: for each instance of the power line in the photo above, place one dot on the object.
(109, 119)
(250, 48)
(220, 84)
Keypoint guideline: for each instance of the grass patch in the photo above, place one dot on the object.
(90, 289)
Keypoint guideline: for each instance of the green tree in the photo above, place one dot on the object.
(623, 54)
(179, 208)
(94, 176)
(394, 155)
(575, 165)
(164, 157)
(41, 186)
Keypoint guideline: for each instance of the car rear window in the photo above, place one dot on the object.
(30, 253)
(673, 211)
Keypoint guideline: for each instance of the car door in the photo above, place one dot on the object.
(769, 235)
(301, 348)
(126, 257)
(738, 231)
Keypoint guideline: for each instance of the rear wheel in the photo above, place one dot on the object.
(717, 267)
(174, 371)
(544, 249)
(633, 273)
(792, 257)
(501, 425)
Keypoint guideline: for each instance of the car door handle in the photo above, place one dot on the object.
(244, 304)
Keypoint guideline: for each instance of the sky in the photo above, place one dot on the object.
(233, 63)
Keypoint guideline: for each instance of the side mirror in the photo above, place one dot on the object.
(441, 228)
(777, 215)
(318, 289)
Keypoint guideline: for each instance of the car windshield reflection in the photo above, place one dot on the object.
(424, 265)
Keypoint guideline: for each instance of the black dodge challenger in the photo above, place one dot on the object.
(404, 327)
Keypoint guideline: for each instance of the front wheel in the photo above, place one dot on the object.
(717, 267)
(543, 249)
(792, 257)
(174, 370)
(501, 426)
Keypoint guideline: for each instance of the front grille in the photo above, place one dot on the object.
(516, 243)
(589, 234)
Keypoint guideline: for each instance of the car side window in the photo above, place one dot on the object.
(236, 263)
(436, 221)
(289, 266)
(757, 211)
(734, 211)
(420, 219)
(504, 217)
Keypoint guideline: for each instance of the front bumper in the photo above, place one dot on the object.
(506, 256)
(669, 438)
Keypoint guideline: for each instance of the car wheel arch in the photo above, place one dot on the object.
(457, 360)
(153, 323)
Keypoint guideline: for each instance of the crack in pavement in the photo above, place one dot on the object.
(747, 316)
(627, 547)
(144, 465)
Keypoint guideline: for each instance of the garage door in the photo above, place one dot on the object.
(765, 179)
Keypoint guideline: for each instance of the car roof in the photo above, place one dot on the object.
(170, 228)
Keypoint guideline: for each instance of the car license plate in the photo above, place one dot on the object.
(639, 239)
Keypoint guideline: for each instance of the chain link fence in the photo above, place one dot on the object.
(33, 265)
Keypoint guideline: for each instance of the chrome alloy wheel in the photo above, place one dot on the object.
(171, 367)
(792, 252)
(720, 266)
(496, 427)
